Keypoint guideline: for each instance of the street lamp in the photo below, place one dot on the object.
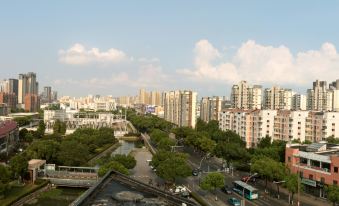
(278, 182)
(243, 189)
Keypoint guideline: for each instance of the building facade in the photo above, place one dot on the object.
(9, 136)
(210, 108)
(180, 107)
(317, 164)
(245, 96)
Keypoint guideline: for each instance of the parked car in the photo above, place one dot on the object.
(195, 172)
(226, 190)
(234, 201)
(246, 179)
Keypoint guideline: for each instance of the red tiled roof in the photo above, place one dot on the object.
(6, 127)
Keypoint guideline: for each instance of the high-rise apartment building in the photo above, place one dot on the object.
(299, 102)
(54, 96)
(10, 99)
(250, 125)
(289, 125)
(317, 97)
(180, 107)
(245, 96)
(32, 102)
(210, 108)
(47, 94)
(278, 98)
(28, 90)
(239, 95)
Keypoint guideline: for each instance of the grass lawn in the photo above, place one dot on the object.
(17, 191)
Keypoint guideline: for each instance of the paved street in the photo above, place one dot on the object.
(213, 164)
(142, 171)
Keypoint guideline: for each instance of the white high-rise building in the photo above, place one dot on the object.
(244, 96)
(299, 102)
(180, 107)
(210, 108)
(278, 98)
(317, 96)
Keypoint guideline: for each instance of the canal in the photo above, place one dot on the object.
(125, 148)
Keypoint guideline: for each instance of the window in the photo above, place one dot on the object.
(310, 177)
(289, 159)
(322, 180)
(336, 169)
(335, 182)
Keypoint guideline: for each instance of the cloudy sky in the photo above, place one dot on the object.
(115, 47)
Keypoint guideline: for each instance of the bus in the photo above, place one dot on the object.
(241, 187)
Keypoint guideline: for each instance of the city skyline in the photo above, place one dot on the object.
(208, 50)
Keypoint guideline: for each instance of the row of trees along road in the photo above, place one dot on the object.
(267, 159)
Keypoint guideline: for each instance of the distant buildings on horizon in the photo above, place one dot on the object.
(23, 93)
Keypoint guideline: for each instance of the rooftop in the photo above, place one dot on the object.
(6, 127)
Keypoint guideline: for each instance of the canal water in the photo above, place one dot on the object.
(125, 148)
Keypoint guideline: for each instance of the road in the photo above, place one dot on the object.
(213, 164)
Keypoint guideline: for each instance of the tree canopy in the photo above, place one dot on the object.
(213, 181)
(171, 166)
(333, 193)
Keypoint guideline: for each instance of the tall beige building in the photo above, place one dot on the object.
(245, 96)
(299, 102)
(319, 98)
(180, 107)
(278, 98)
(210, 108)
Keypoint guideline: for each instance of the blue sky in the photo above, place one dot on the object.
(202, 45)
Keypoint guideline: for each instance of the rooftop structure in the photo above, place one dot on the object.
(317, 164)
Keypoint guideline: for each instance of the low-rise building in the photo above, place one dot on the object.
(317, 164)
(9, 135)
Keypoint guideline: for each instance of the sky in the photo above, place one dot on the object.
(116, 47)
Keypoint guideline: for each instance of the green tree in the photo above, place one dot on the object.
(333, 194)
(264, 142)
(307, 142)
(267, 168)
(231, 152)
(165, 144)
(332, 140)
(18, 165)
(73, 153)
(22, 134)
(291, 183)
(206, 144)
(127, 161)
(59, 127)
(112, 165)
(41, 128)
(23, 121)
(5, 176)
(173, 167)
(44, 149)
(212, 182)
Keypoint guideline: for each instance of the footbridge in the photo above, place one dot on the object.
(71, 176)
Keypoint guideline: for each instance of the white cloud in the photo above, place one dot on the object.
(79, 55)
(263, 64)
